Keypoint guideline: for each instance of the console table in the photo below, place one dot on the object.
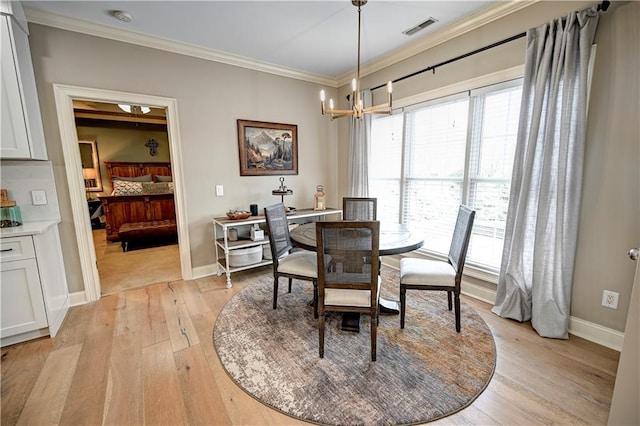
(224, 246)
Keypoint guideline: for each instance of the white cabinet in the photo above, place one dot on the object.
(22, 135)
(33, 287)
(225, 248)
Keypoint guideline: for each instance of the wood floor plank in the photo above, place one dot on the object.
(203, 402)
(131, 311)
(154, 327)
(47, 399)
(9, 356)
(162, 400)
(75, 326)
(19, 379)
(123, 402)
(181, 332)
(85, 403)
(192, 297)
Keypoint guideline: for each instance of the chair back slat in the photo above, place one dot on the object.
(278, 228)
(460, 239)
(358, 208)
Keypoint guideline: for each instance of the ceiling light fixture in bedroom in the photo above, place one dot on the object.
(134, 109)
(357, 107)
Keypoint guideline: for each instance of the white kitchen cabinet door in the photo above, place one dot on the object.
(22, 303)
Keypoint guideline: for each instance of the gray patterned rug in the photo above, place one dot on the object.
(422, 373)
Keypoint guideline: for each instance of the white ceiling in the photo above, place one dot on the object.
(311, 37)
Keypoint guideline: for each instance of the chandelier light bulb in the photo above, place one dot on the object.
(389, 87)
(354, 85)
(322, 96)
(330, 103)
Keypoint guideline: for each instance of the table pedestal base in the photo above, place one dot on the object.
(351, 320)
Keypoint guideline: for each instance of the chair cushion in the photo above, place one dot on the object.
(303, 263)
(426, 272)
(348, 297)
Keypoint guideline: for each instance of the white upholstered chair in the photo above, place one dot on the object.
(425, 274)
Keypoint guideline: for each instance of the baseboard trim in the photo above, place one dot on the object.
(591, 331)
(204, 271)
(77, 298)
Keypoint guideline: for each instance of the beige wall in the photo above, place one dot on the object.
(609, 223)
(123, 145)
(212, 96)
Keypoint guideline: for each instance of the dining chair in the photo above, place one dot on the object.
(352, 283)
(297, 264)
(359, 208)
(425, 274)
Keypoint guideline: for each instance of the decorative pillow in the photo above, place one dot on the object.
(123, 187)
(164, 178)
(145, 178)
(170, 187)
(155, 188)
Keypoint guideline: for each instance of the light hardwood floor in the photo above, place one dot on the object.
(138, 267)
(146, 356)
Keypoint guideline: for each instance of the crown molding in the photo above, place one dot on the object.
(452, 31)
(457, 29)
(99, 30)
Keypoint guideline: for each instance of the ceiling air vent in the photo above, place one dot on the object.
(420, 26)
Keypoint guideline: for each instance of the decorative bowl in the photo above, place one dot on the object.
(238, 214)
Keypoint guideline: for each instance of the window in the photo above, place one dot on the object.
(437, 155)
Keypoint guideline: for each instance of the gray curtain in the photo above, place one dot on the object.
(360, 151)
(542, 223)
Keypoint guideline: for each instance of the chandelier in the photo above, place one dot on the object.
(357, 108)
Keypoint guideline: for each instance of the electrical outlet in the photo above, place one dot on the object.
(610, 299)
(219, 190)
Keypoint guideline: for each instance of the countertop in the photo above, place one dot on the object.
(28, 228)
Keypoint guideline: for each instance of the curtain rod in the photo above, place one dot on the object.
(601, 7)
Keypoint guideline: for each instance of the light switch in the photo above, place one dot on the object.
(39, 198)
(219, 190)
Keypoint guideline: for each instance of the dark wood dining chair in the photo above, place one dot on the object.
(426, 274)
(359, 208)
(297, 264)
(352, 283)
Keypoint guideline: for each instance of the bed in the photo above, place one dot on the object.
(142, 192)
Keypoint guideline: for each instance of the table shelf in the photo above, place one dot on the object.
(224, 246)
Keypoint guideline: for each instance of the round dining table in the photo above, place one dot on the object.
(394, 239)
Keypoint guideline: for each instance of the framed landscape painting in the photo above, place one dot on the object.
(267, 148)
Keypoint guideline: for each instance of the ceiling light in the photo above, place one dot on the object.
(357, 108)
(133, 109)
(122, 16)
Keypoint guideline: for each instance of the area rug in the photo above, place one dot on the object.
(423, 372)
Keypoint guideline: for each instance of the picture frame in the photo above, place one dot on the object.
(267, 148)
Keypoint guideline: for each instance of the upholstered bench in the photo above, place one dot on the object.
(145, 230)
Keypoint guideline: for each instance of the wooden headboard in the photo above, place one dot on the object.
(135, 169)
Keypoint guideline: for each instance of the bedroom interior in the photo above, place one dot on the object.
(131, 185)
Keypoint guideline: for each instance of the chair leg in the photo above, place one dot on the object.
(403, 303)
(457, 298)
(449, 299)
(374, 336)
(290, 280)
(275, 292)
(315, 300)
(321, 336)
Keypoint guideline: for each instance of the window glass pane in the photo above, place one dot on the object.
(499, 131)
(490, 201)
(431, 208)
(436, 140)
(385, 166)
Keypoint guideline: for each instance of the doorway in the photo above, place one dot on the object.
(64, 96)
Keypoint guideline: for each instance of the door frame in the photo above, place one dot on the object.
(64, 96)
